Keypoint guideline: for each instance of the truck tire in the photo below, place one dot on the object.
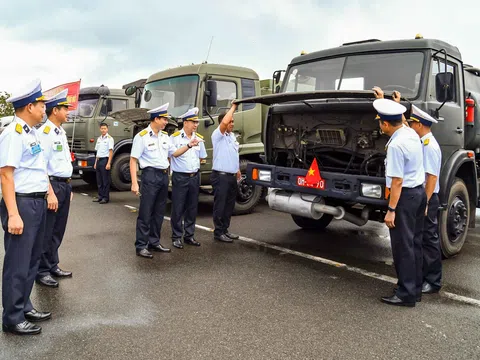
(453, 224)
(90, 177)
(248, 195)
(120, 173)
(312, 224)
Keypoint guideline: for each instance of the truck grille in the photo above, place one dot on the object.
(334, 137)
(78, 144)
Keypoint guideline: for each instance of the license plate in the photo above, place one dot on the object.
(319, 185)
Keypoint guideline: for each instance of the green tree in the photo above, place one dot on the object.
(6, 109)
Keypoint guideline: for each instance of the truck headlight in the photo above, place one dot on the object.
(265, 175)
(372, 190)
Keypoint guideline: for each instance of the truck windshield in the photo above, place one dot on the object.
(389, 71)
(86, 108)
(180, 92)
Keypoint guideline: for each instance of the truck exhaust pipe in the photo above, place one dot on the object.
(311, 206)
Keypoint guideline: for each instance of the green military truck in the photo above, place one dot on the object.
(94, 107)
(324, 111)
(211, 88)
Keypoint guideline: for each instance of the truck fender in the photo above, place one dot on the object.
(121, 145)
(450, 171)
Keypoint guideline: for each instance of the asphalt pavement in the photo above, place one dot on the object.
(241, 300)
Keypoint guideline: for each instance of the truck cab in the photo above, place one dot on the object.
(211, 88)
(94, 107)
(324, 111)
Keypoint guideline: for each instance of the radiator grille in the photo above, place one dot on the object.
(78, 144)
(331, 137)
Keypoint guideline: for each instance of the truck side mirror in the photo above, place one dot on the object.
(211, 93)
(109, 105)
(277, 89)
(130, 90)
(445, 87)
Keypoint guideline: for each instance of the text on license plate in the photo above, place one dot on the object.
(319, 185)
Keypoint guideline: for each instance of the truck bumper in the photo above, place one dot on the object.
(83, 163)
(337, 187)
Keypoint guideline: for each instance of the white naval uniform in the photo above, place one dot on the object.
(404, 158)
(56, 149)
(188, 162)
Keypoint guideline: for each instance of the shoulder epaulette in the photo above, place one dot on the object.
(143, 132)
(200, 136)
(426, 142)
(46, 130)
(176, 133)
(18, 128)
(109, 136)
(164, 132)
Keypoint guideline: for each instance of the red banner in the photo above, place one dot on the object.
(72, 96)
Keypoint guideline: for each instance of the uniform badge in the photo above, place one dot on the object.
(176, 133)
(57, 131)
(46, 130)
(57, 146)
(25, 127)
(426, 142)
(35, 148)
(143, 132)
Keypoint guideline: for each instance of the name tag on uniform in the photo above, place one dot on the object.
(57, 146)
(35, 148)
(152, 146)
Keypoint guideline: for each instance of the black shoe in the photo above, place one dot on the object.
(395, 300)
(232, 236)
(47, 280)
(191, 241)
(429, 289)
(178, 244)
(223, 238)
(36, 316)
(60, 273)
(24, 328)
(145, 253)
(158, 248)
(96, 200)
(103, 201)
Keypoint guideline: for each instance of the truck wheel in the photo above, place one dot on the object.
(454, 220)
(312, 224)
(90, 177)
(120, 173)
(248, 195)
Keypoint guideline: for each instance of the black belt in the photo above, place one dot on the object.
(224, 173)
(186, 174)
(165, 171)
(35, 195)
(412, 188)
(60, 179)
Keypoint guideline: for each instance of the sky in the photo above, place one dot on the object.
(114, 42)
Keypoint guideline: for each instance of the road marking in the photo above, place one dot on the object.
(371, 274)
(84, 194)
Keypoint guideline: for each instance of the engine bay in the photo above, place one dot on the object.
(344, 139)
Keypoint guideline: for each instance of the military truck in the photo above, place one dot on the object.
(333, 121)
(94, 107)
(211, 88)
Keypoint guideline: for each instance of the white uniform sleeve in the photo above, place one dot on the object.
(11, 149)
(111, 142)
(395, 162)
(96, 145)
(217, 135)
(171, 146)
(432, 161)
(138, 147)
(203, 152)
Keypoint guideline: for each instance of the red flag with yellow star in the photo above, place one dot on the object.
(313, 175)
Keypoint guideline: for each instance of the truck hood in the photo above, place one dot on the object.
(311, 95)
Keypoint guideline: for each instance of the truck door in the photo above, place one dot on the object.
(449, 131)
(227, 90)
(115, 128)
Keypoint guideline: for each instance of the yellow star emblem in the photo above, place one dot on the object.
(311, 172)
